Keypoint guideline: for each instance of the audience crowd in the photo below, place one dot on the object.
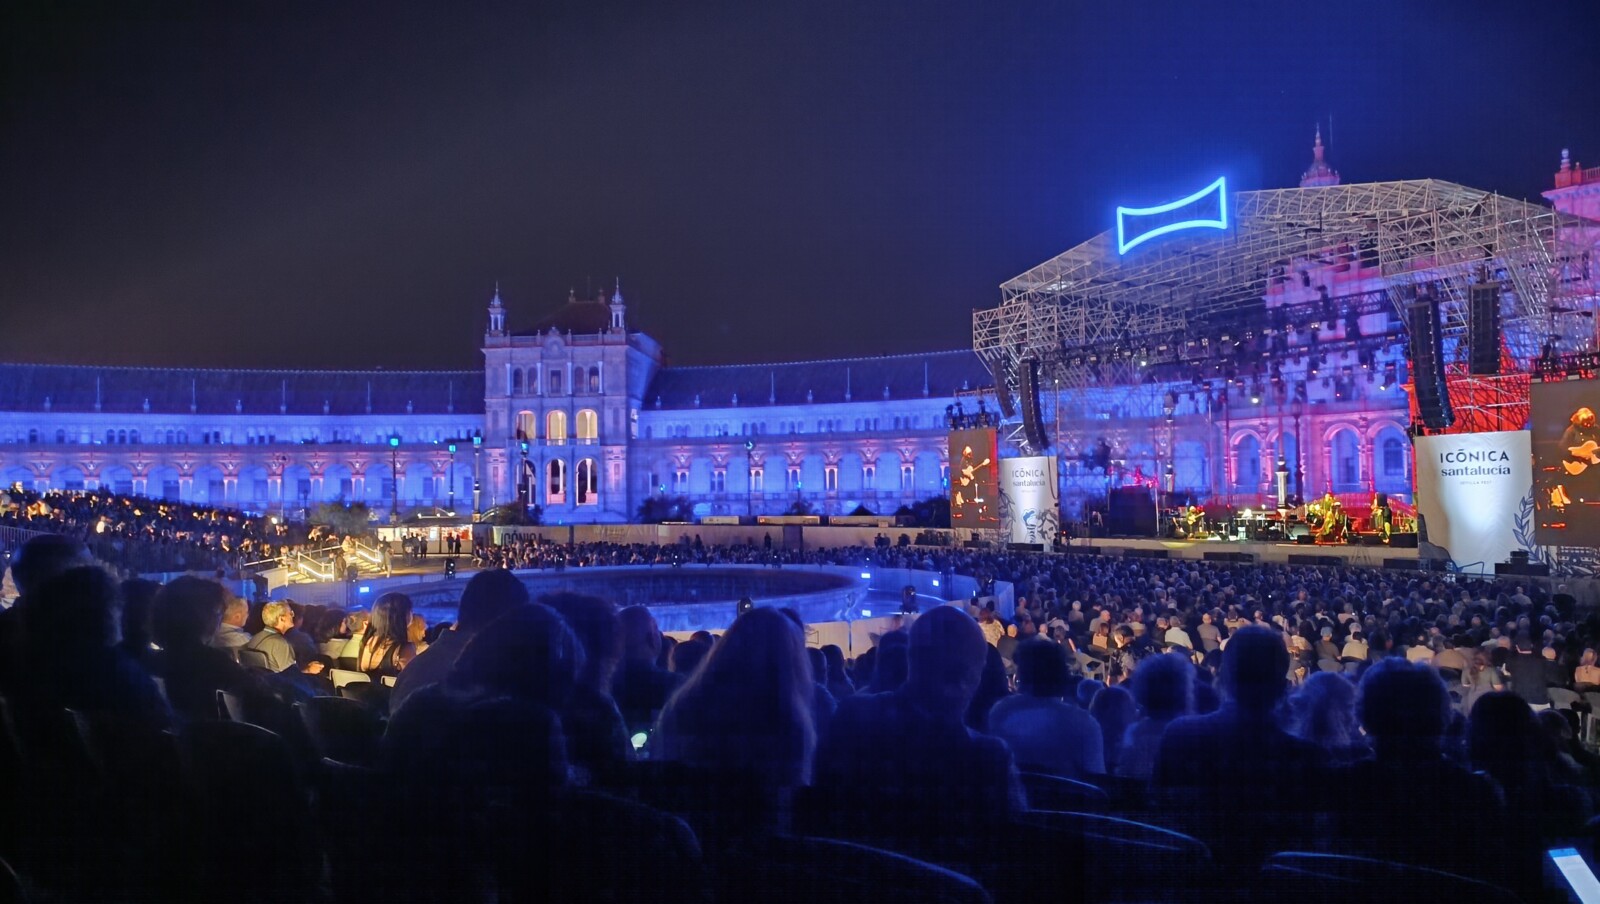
(140, 535)
(167, 740)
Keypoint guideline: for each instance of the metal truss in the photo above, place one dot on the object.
(1420, 237)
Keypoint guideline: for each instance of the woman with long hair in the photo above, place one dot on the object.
(1115, 710)
(1323, 712)
(747, 708)
(1163, 686)
(1483, 677)
(387, 646)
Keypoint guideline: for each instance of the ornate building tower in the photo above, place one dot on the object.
(1320, 174)
(561, 401)
(1577, 191)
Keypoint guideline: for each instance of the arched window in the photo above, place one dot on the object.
(594, 379)
(61, 436)
(1247, 464)
(526, 425)
(555, 427)
(588, 426)
(555, 473)
(516, 381)
(1393, 463)
(33, 435)
(1346, 462)
(171, 437)
(133, 437)
(587, 484)
(111, 436)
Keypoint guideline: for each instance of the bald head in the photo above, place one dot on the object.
(946, 658)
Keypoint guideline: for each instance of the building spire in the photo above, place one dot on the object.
(619, 320)
(497, 313)
(1320, 174)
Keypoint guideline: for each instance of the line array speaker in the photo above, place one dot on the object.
(1028, 389)
(1483, 325)
(1427, 363)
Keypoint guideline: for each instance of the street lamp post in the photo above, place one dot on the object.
(394, 478)
(750, 477)
(477, 476)
(524, 480)
(452, 478)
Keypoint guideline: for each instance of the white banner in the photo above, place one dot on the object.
(1030, 500)
(1475, 494)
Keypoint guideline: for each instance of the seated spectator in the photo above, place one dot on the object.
(1450, 659)
(1530, 673)
(1163, 688)
(687, 656)
(1086, 690)
(1176, 636)
(386, 648)
(1405, 711)
(231, 634)
(1114, 710)
(487, 735)
(71, 629)
(186, 616)
(355, 628)
(1046, 733)
(1355, 649)
(270, 642)
(487, 596)
(597, 738)
(417, 632)
(992, 688)
(837, 678)
(641, 687)
(40, 559)
(1505, 743)
(137, 596)
(305, 648)
(451, 734)
(902, 766)
(1325, 647)
(1237, 778)
(1587, 676)
(890, 662)
(1323, 712)
(748, 708)
(328, 633)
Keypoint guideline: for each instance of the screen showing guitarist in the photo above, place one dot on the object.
(1581, 446)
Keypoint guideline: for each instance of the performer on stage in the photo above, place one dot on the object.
(1580, 449)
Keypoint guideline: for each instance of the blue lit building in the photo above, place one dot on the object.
(579, 413)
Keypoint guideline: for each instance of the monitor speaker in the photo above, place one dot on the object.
(1427, 363)
(1032, 417)
(1483, 326)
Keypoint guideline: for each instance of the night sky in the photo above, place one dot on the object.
(328, 185)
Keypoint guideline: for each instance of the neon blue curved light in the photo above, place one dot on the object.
(1220, 221)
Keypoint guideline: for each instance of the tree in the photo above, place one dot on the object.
(862, 510)
(801, 507)
(353, 520)
(932, 512)
(657, 509)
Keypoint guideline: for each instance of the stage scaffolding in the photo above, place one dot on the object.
(1112, 333)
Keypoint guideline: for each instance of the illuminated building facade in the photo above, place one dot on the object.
(580, 415)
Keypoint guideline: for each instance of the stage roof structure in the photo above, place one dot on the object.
(1425, 237)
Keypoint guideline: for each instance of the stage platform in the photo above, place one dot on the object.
(1257, 550)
